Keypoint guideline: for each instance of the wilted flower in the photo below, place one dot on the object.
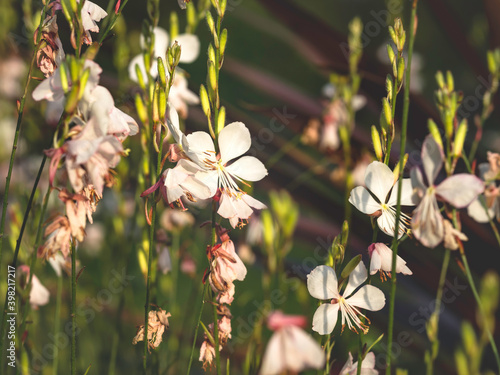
(381, 260)
(207, 350)
(452, 236)
(58, 237)
(51, 55)
(322, 284)
(157, 324)
(458, 190)
(175, 220)
(290, 348)
(367, 366)
(380, 196)
(91, 13)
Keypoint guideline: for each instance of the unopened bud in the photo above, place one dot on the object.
(212, 76)
(434, 131)
(162, 75)
(440, 79)
(401, 69)
(205, 103)
(377, 144)
(64, 76)
(458, 144)
(140, 78)
(191, 14)
(210, 23)
(345, 232)
(83, 82)
(398, 166)
(448, 123)
(223, 42)
(388, 85)
(141, 109)
(390, 53)
(162, 103)
(211, 53)
(221, 120)
(392, 33)
(353, 263)
(174, 25)
(74, 69)
(156, 103)
(223, 5)
(449, 81)
(387, 111)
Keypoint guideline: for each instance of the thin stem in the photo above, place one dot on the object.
(148, 286)
(73, 308)
(480, 306)
(197, 327)
(57, 324)
(216, 322)
(435, 315)
(404, 125)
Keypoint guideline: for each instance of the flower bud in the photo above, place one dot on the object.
(205, 103)
(221, 120)
(345, 232)
(390, 53)
(458, 144)
(74, 69)
(377, 145)
(448, 123)
(83, 82)
(222, 8)
(162, 103)
(140, 78)
(66, 8)
(434, 131)
(440, 79)
(393, 36)
(388, 85)
(387, 111)
(156, 109)
(64, 76)
(449, 81)
(174, 25)
(353, 263)
(141, 109)
(212, 76)
(191, 14)
(210, 23)
(223, 42)
(162, 75)
(211, 53)
(398, 165)
(401, 69)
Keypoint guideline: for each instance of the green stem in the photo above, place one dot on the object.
(480, 306)
(57, 324)
(404, 125)
(197, 328)
(214, 299)
(73, 308)
(435, 315)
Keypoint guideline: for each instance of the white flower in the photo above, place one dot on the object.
(380, 197)
(458, 190)
(39, 295)
(234, 140)
(181, 181)
(487, 172)
(322, 284)
(381, 260)
(367, 366)
(290, 348)
(190, 49)
(91, 13)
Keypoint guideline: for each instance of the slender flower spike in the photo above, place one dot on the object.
(290, 348)
(322, 284)
(379, 198)
(367, 366)
(458, 190)
(381, 260)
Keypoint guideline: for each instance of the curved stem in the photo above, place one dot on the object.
(404, 125)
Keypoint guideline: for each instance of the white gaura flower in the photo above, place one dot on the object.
(322, 284)
(367, 366)
(39, 294)
(458, 190)
(488, 172)
(290, 348)
(233, 140)
(190, 49)
(381, 260)
(380, 196)
(91, 13)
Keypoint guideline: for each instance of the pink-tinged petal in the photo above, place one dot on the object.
(460, 189)
(369, 362)
(368, 297)
(356, 278)
(238, 268)
(379, 180)
(322, 283)
(301, 351)
(325, 318)
(234, 141)
(432, 159)
(427, 222)
(479, 213)
(363, 201)
(92, 13)
(190, 47)
(39, 295)
(417, 181)
(277, 320)
(375, 263)
(407, 197)
(248, 168)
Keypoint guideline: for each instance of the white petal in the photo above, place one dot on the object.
(407, 197)
(375, 263)
(358, 102)
(479, 213)
(161, 42)
(197, 188)
(190, 47)
(368, 297)
(301, 351)
(248, 168)
(137, 60)
(322, 283)
(379, 180)
(252, 202)
(210, 179)
(200, 147)
(356, 278)
(432, 159)
(234, 140)
(348, 365)
(273, 361)
(387, 223)
(363, 201)
(427, 222)
(460, 189)
(325, 318)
